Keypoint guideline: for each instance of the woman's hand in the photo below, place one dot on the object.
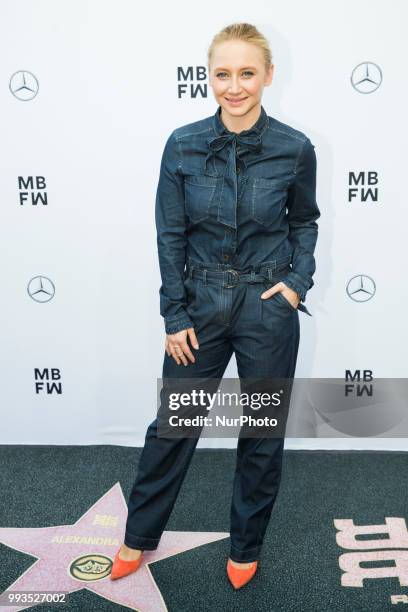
(177, 347)
(289, 294)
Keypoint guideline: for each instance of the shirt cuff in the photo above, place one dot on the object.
(295, 282)
(175, 324)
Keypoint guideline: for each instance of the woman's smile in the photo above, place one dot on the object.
(236, 101)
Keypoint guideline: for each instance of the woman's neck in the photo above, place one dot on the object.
(241, 123)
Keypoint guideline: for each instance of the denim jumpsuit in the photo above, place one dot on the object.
(235, 214)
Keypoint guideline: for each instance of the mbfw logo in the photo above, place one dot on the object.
(41, 289)
(389, 554)
(357, 383)
(361, 288)
(363, 186)
(366, 77)
(190, 82)
(32, 190)
(48, 380)
(24, 85)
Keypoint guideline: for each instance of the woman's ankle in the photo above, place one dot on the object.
(129, 554)
(241, 564)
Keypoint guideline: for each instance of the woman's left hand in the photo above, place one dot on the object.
(289, 294)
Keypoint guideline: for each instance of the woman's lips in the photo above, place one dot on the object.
(235, 101)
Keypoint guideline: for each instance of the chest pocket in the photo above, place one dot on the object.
(266, 199)
(199, 192)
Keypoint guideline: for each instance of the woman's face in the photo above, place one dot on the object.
(238, 76)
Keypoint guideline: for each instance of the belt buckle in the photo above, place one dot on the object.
(235, 275)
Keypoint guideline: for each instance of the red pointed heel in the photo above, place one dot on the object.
(122, 568)
(238, 577)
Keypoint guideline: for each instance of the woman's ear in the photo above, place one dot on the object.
(269, 75)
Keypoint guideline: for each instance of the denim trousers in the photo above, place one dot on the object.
(229, 317)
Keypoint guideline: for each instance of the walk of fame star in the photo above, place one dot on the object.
(78, 556)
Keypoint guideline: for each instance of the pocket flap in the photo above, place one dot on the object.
(201, 180)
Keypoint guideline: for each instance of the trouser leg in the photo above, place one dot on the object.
(266, 348)
(162, 467)
(256, 484)
(164, 461)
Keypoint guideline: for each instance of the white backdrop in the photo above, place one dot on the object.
(107, 78)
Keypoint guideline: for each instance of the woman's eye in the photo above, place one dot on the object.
(247, 73)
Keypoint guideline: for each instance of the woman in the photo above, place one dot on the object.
(235, 267)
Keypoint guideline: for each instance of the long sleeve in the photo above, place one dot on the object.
(302, 215)
(171, 239)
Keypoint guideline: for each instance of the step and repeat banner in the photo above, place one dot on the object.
(90, 92)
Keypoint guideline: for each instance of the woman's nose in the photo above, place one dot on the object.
(234, 88)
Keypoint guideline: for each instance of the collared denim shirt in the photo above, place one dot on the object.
(237, 200)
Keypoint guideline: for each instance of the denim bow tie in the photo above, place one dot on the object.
(245, 142)
(227, 206)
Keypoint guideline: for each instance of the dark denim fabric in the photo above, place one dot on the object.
(235, 214)
(234, 202)
(229, 317)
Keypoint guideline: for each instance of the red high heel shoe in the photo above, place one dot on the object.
(240, 576)
(122, 568)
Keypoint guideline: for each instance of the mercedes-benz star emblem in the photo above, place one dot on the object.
(41, 289)
(361, 288)
(366, 77)
(24, 85)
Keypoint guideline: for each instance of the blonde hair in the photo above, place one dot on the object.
(246, 32)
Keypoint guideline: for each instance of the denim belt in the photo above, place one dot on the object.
(230, 278)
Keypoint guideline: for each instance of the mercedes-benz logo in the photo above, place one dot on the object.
(366, 77)
(361, 288)
(41, 289)
(24, 85)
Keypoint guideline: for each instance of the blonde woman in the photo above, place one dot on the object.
(236, 232)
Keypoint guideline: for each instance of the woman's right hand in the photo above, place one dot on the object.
(177, 347)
